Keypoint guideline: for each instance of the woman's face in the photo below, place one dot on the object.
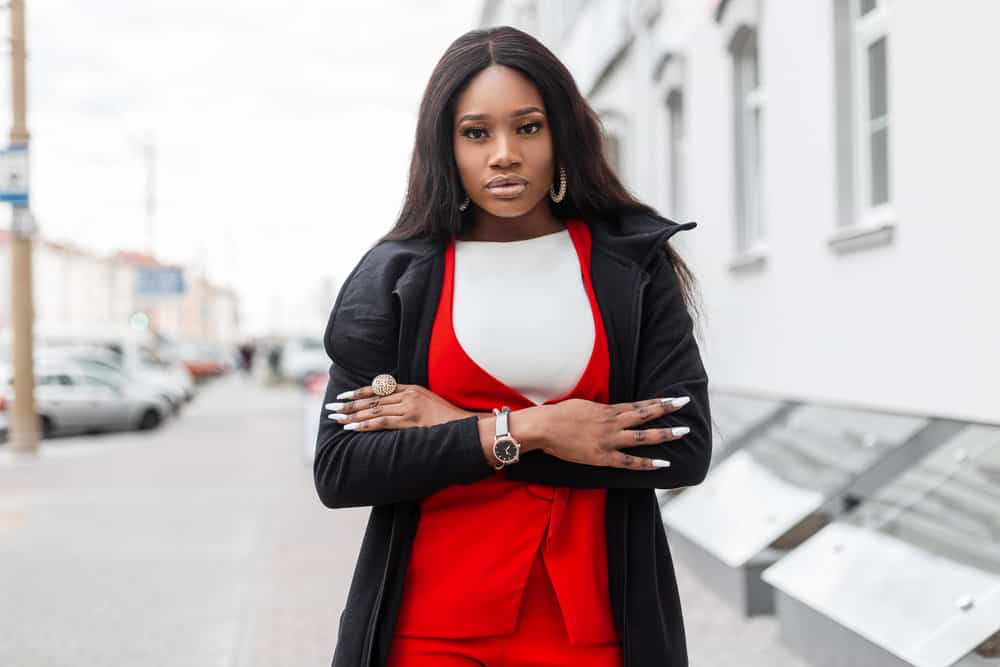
(501, 130)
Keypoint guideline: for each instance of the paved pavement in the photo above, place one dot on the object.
(203, 543)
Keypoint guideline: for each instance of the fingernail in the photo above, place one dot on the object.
(680, 430)
(351, 427)
(339, 417)
(346, 394)
(676, 402)
(334, 406)
(661, 463)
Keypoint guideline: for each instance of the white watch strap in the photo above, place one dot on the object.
(502, 428)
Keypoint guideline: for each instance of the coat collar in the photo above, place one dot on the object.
(631, 238)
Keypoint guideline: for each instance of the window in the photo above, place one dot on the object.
(675, 130)
(94, 381)
(871, 99)
(748, 104)
(865, 214)
(54, 380)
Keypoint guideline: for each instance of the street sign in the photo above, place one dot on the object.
(14, 175)
(159, 281)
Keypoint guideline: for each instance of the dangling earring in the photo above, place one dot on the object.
(562, 187)
(464, 205)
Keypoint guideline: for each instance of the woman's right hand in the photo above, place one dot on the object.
(583, 431)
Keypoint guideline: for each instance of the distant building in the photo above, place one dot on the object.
(77, 292)
(840, 157)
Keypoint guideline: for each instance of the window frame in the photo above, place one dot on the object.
(748, 118)
(672, 131)
(859, 225)
(865, 31)
(676, 106)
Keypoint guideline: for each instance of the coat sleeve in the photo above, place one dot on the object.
(668, 365)
(353, 469)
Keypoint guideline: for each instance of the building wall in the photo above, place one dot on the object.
(907, 325)
(77, 293)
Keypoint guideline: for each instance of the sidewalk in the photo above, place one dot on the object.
(202, 543)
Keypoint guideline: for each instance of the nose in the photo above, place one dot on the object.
(506, 151)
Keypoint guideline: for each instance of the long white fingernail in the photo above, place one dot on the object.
(676, 402)
(346, 394)
(351, 427)
(339, 416)
(661, 463)
(680, 430)
(334, 406)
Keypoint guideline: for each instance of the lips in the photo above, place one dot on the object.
(507, 187)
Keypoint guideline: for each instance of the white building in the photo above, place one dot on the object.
(79, 293)
(841, 159)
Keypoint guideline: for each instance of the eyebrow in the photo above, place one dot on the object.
(482, 116)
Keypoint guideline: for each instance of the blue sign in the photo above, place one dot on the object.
(160, 281)
(14, 175)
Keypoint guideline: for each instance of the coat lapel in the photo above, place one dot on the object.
(418, 291)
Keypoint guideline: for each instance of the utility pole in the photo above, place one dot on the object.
(149, 157)
(25, 424)
(151, 304)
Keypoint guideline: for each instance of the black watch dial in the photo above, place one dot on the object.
(505, 450)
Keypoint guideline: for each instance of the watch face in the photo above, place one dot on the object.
(505, 450)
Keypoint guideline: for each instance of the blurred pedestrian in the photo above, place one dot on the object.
(246, 356)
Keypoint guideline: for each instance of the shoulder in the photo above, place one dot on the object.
(363, 323)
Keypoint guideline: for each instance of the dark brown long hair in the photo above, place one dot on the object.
(434, 192)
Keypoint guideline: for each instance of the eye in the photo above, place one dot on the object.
(465, 132)
(537, 126)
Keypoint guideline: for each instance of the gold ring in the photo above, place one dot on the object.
(383, 384)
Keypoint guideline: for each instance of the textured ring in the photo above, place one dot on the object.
(384, 384)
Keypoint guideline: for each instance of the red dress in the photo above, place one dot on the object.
(477, 544)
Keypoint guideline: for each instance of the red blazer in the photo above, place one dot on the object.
(475, 543)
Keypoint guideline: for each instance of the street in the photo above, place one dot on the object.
(203, 543)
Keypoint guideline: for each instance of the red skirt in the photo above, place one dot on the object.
(539, 640)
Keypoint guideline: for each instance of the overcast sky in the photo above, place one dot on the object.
(283, 131)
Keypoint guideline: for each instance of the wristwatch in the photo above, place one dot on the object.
(505, 447)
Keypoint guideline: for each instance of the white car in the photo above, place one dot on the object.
(302, 356)
(102, 360)
(70, 400)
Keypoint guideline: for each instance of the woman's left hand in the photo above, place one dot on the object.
(410, 405)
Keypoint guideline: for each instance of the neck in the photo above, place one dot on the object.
(488, 227)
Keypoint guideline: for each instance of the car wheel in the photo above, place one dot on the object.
(150, 420)
(45, 426)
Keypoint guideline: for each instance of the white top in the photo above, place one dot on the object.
(521, 312)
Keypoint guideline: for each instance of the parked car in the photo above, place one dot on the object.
(103, 362)
(70, 400)
(202, 359)
(133, 355)
(302, 356)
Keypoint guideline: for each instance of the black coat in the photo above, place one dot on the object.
(381, 323)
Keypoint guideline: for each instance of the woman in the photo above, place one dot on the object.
(514, 371)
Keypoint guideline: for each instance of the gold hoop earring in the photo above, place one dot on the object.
(464, 205)
(562, 187)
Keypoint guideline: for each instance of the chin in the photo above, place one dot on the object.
(514, 208)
